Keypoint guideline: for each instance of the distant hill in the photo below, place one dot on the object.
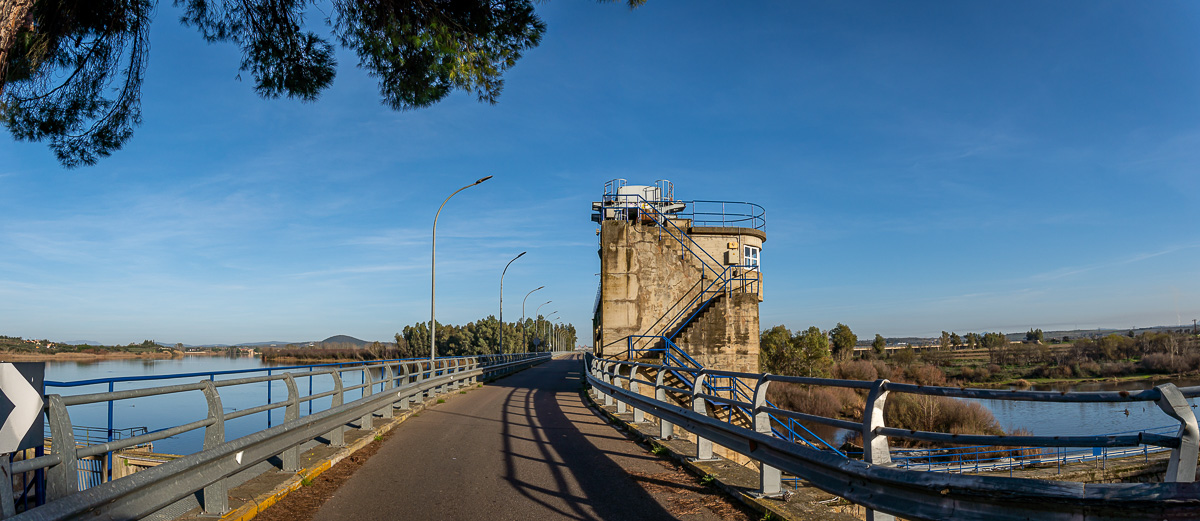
(82, 343)
(344, 339)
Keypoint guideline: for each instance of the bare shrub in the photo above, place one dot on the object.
(1109, 369)
(1054, 371)
(1087, 369)
(882, 369)
(830, 402)
(1170, 364)
(856, 370)
(939, 414)
(968, 374)
(925, 375)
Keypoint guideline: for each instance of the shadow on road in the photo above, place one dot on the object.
(587, 462)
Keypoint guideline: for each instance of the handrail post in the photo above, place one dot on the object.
(433, 366)
(216, 495)
(639, 416)
(608, 379)
(875, 446)
(367, 421)
(621, 406)
(770, 479)
(8, 502)
(420, 377)
(337, 436)
(596, 374)
(62, 479)
(388, 381)
(666, 430)
(1181, 468)
(291, 456)
(704, 446)
(405, 399)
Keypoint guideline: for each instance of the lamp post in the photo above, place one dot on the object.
(524, 343)
(536, 316)
(549, 325)
(500, 346)
(433, 274)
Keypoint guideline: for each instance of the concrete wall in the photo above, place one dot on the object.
(646, 278)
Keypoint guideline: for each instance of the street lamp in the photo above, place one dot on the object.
(523, 341)
(548, 323)
(537, 322)
(433, 273)
(500, 347)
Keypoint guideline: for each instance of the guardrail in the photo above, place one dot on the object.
(207, 472)
(886, 489)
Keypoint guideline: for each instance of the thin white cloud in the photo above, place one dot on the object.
(1070, 271)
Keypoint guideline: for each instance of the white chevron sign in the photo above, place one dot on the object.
(27, 407)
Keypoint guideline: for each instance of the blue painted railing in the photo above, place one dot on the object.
(787, 429)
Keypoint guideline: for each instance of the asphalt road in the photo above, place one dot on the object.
(523, 447)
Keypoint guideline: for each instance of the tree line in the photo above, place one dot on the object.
(482, 337)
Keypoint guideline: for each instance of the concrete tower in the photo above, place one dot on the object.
(678, 279)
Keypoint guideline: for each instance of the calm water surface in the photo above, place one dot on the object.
(159, 412)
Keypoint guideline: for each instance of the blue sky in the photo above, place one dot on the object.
(923, 165)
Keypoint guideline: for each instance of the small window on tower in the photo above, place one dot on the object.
(750, 256)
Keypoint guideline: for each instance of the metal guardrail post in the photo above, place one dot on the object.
(62, 479)
(666, 429)
(595, 370)
(639, 416)
(770, 479)
(704, 446)
(367, 421)
(405, 399)
(433, 366)
(8, 503)
(337, 436)
(1181, 468)
(607, 376)
(216, 495)
(621, 406)
(388, 382)
(875, 446)
(291, 456)
(419, 396)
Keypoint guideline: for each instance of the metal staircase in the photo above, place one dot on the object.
(717, 281)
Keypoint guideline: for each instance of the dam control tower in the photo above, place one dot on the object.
(680, 281)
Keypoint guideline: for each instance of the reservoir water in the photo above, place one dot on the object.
(164, 411)
(158, 412)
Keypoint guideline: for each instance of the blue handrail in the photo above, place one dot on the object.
(678, 357)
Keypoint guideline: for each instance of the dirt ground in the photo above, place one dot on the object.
(302, 504)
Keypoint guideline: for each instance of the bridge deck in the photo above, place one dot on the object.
(523, 447)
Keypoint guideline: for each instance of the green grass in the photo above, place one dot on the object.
(708, 479)
(378, 438)
(441, 400)
(462, 392)
(658, 450)
(304, 482)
